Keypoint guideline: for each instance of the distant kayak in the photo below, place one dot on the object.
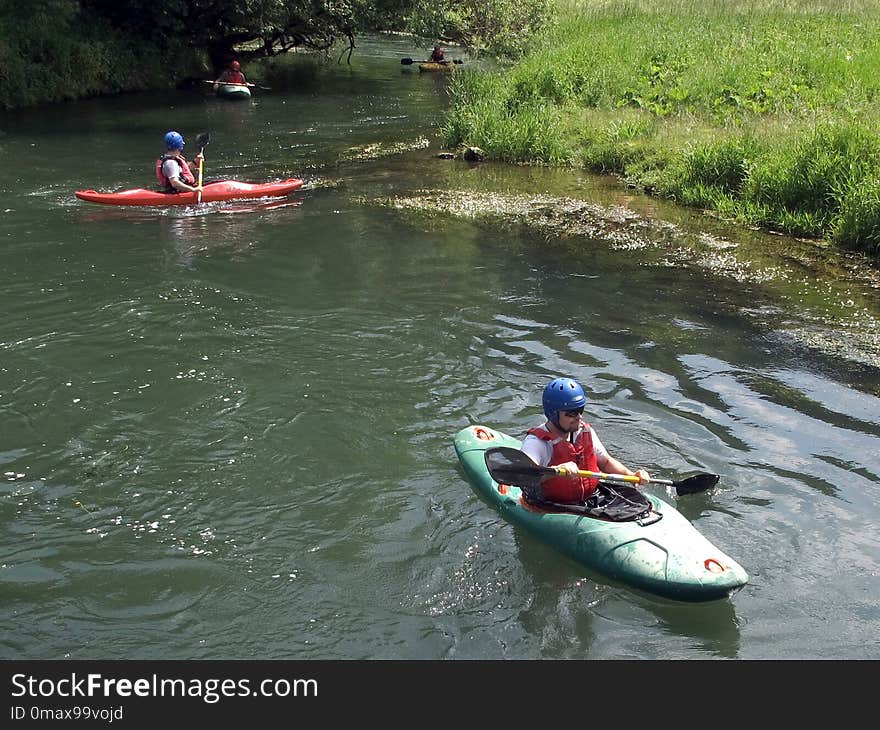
(661, 552)
(430, 66)
(437, 67)
(233, 91)
(222, 190)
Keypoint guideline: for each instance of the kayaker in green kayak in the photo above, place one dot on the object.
(173, 171)
(566, 440)
(231, 75)
(626, 534)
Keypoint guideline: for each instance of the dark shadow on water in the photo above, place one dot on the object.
(712, 628)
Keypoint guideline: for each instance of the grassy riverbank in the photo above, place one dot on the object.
(766, 112)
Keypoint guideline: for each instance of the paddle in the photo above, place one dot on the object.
(202, 142)
(511, 466)
(230, 83)
(410, 62)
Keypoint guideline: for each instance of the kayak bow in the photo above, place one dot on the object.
(223, 190)
(233, 91)
(433, 66)
(661, 553)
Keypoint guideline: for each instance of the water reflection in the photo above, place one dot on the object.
(714, 628)
(193, 231)
(574, 613)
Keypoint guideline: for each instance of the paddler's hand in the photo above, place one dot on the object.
(569, 468)
(644, 477)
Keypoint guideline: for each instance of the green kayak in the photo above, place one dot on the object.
(233, 91)
(661, 553)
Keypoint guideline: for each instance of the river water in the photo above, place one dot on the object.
(226, 431)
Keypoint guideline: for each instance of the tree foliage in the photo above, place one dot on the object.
(61, 49)
(248, 29)
(498, 27)
(51, 50)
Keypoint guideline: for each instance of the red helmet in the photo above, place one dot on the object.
(236, 66)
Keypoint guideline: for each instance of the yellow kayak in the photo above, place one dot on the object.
(431, 66)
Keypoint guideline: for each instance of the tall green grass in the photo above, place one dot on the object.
(765, 111)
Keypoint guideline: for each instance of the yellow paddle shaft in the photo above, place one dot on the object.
(610, 477)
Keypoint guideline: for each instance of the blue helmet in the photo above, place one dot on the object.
(562, 394)
(174, 141)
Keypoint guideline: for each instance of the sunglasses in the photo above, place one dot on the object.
(574, 413)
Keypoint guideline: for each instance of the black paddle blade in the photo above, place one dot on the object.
(696, 483)
(202, 140)
(406, 61)
(511, 466)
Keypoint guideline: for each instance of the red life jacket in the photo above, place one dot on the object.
(185, 173)
(233, 77)
(569, 489)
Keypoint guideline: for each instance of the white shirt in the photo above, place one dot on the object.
(540, 451)
(171, 168)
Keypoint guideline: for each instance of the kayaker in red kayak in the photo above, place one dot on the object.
(232, 75)
(566, 440)
(173, 171)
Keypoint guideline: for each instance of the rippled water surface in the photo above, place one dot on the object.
(226, 431)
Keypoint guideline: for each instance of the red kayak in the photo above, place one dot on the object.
(223, 190)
